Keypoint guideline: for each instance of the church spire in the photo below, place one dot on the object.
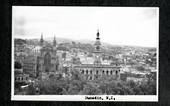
(41, 40)
(97, 42)
(98, 34)
(54, 41)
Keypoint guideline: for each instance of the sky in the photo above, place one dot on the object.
(135, 26)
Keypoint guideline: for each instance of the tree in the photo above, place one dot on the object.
(76, 75)
(64, 55)
(53, 86)
(75, 87)
(19, 41)
(90, 89)
(64, 48)
(17, 65)
(140, 68)
(76, 60)
(31, 90)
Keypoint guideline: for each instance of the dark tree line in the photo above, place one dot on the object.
(76, 85)
(17, 65)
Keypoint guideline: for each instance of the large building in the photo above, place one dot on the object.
(48, 60)
(20, 77)
(29, 65)
(97, 69)
(41, 61)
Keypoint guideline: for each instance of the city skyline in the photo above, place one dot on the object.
(117, 26)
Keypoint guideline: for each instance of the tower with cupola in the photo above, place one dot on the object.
(97, 50)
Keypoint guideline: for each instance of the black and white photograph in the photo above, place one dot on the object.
(63, 53)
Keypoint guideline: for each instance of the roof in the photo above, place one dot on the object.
(97, 42)
(37, 48)
(96, 66)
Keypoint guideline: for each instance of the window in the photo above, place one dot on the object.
(116, 72)
(86, 71)
(111, 72)
(57, 67)
(107, 72)
(103, 71)
(98, 48)
(82, 71)
(97, 72)
(90, 71)
(47, 60)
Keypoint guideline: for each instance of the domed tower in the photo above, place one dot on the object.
(97, 50)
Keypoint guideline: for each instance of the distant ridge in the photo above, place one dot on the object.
(83, 41)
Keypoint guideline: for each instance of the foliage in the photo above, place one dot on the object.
(64, 55)
(90, 89)
(61, 47)
(77, 85)
(31, 90)
(19, 41)
(17, 65)
(76, 60)
(140, 68)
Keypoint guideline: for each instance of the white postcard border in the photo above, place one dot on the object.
(126, 98)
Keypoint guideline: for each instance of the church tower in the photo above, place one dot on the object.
(97, 50)
(54, 46)
(41, 40)
(47, 61)
(54, 42)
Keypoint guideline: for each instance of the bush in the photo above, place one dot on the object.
(17, 65)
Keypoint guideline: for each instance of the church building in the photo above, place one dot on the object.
(48, 60)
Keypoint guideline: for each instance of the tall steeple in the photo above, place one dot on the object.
(97, 42)
(54, 42)
(97, 50)
(41, 40)
(98, 35)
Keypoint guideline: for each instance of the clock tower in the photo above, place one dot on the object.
(97, 50)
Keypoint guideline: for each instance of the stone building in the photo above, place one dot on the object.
(20, 77)
(48, 60)
(29, 65)
(97, 69)
(41, 61)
